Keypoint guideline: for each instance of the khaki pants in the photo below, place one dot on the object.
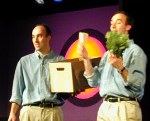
(119, 111)
(35, 113)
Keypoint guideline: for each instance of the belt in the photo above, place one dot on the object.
(117, 99)
(43, 104)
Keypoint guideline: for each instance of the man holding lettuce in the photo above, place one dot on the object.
(121, 73)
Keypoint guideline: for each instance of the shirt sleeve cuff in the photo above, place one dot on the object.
(88, 76)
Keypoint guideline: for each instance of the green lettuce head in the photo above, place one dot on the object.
(116, 42)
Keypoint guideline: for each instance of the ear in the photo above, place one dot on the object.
(49, 37)
(128, 27)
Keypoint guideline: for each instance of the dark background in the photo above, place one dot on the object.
(19, 10)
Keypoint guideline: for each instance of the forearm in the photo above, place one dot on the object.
(14, 108)
(13, 112)
(124, 73)
(88, 67)
(117, 62)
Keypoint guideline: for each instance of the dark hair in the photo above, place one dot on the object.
(130, 19)
(47, 29)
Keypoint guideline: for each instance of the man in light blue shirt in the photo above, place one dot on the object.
(31, 84)
(121, 78)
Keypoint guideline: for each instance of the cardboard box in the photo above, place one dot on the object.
(67, 76)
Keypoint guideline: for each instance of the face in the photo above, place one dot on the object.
(118, 23)
(40, 40)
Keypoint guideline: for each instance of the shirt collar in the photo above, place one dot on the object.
(49, 55)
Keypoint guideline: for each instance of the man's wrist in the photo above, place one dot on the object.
(121, 71)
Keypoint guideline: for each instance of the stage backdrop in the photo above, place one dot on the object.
(65, 27)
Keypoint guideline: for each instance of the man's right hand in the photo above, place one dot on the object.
(82, 50)
(12, 117)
